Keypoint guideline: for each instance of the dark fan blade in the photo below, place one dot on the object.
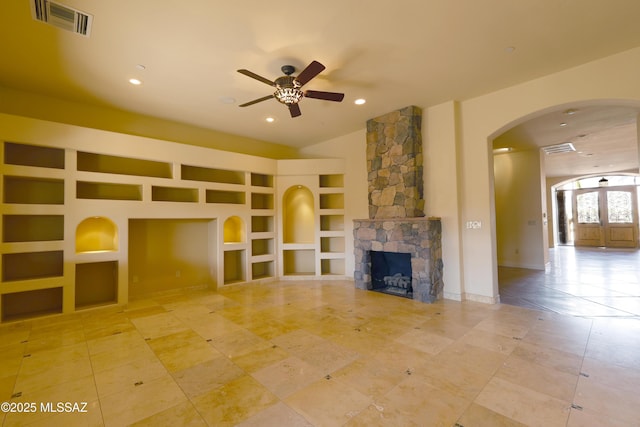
(294, 109)
(327, 96)
(310, 72)
(255, 101)
(257, 77)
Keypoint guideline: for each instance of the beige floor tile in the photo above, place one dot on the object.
(586, 418)
(479, 416)
(183, 415)
(401, 357)
(11, 358)
(424, 404)
(234, 402)
(424, 341)
(260, 357)
(278, 415)
(542, 379)
(6, 387)
(607, 401)
(559, 360)
(328, 402)
(54, 339)
(490, 341)
(213, 326)
(288, 376)
(238, 343)
(182, 350)
(206, 376)
(122, 377)
(615, 376)
(376, 415)
(159, 325)
(523, 404)
(115, 341)
(150, 310)
(140, 402)
(120, 354)
(558, 340)
(612, 351)
(370, 377)
(14, 333)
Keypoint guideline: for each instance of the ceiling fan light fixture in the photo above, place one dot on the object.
(288, 95)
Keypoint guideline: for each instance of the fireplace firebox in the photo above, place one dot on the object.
(391, 273)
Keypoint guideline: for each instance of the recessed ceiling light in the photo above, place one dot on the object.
(563, 124)
(570, 111)
(509, 49)
(135, 82)
(141, 67)
(270, 120)
(360, 101)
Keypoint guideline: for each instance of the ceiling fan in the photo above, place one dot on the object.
(288, 87)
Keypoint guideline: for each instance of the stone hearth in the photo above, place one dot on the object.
(396, 207)
(420, 237)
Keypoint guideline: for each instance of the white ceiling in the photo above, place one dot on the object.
(394, 54)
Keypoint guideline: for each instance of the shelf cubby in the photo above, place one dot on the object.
(332, 267)
(331, 222)
(332, 201)
(332, 244)
(96, 234)
(233, 230)
(226, 197)
(260, 180)
(261, 224)
(234, 262)
(32, 228)
(223, 176)
(29, 190)
(91, 162)
(27, 304)
(262, 247)
(33, 155)
(332, 181)
(108, 191)
(96, 284)
(299, 262)
(32, 265)
(261, 201)
(174, 194)
(262, 270)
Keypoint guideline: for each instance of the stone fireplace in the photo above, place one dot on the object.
(396, 222)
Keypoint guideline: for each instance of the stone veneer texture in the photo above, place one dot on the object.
(421, 237)
(394, 163)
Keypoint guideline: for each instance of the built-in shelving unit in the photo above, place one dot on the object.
(81, 228)
(331, 216)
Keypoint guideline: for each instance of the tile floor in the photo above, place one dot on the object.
(321, 354)
(589, 282)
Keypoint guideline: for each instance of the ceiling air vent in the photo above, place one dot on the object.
(565, 147)
(61, 16)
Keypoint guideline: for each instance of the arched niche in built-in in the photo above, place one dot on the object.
(234, 230)
(298, 215)
(96, 234)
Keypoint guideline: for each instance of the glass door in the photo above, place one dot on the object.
(606, 217)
